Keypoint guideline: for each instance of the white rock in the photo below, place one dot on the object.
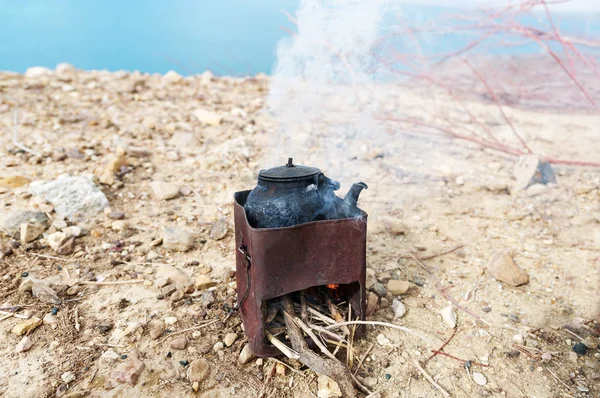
(208, 117)
(120, 225)
(56, 239)
(245, 355)
(37, 71)
(546, 357)
(399, 308)
(23, 345)
(219, 346)
(59, 224)
(382, 340)
(448, 316)
(68, 377)
(229, 339)
(71, 231)
(170, 320)
(64, 68)
(177, 239)
(172, 77)
(519, 339)
(479, 378)
(71, 196)
(109, 356)
(164, 190)
(327, 388)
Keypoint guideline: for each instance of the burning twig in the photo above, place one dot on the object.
(329, 367)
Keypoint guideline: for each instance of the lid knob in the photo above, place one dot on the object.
(290, 163)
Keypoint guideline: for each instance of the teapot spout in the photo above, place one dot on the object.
(351, 197)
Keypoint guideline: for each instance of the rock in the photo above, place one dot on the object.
(67, 247)
(246, 355)
(119, 225)
(14, 181)
(198, 371)
(68, 377)
(170, 320)
(219, 229)
(155, 329)
(164, 190)
(30, 232)
(26, 285)
(64, 68)
(504, 269)
(280, 370)
(208, 117)
(207, 299)
(372, 303)
(399, 309)
(129, 371)
(179, 343)
(397, 287)
(448, 316)
(580, 349)
(203, 282)
(26, 326)
(479, 378)
(45, 294)
(327, 388)
(110, 165)
(393, 225)
(379, 289)
(72, 231)
(71, 196)
(37, 71)
(56, 239)
(546, 357)
(177, 239)
(172, 77)
(218, 346)
(530, 169)
(116, 215)
(109, 356)
(23, 345)
(370, 382)
(229, 339)
(382, 340)
(11, 220)
(183, 140)
(168, 290)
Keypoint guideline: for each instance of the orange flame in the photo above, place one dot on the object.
(332, 286)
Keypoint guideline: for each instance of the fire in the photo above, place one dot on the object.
(333, 286)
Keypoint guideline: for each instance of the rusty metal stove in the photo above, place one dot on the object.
(272, 262)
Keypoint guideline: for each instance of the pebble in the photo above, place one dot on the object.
(379, 289)
(486, 309)
(229, 339)
(327, 388)
(164, 190)
(119, 225)
(179, 343)
(30, 232)
(68, 377)
(504, 269)
(219, 229)
(71, 196)
(448, 316)
(198, 371)
(109, 356)
(116, 215)
(208, 117)
(56, 240)
(23, 345)
(203, 282)
(45, 294)
(72, 231)
(530, 169)
(382, 340)
(372, 303)
(129, 371)
(219, 346)
(172, 77)
(37, 71)
(399, 309)
(546, 357)
(177, 239)
(156, 328)
(419, 281)
(26, 326)
(280, 369)
(397, 287)
(174, 275)
(245, 355)
(370, 382)
(580, 348)
(170, 320)
(479, 378)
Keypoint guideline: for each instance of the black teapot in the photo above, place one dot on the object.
(291, 195)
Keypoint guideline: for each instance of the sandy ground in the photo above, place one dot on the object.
(439, 194)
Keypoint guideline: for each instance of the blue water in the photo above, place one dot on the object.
(233, 37)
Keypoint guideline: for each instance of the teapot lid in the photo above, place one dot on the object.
(289, 172)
